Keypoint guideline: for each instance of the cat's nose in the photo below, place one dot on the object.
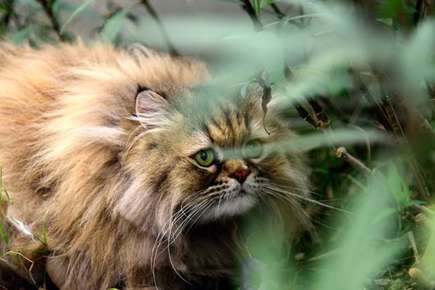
(240, 174)
(237, 169)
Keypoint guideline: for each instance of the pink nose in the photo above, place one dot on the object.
(240, 175)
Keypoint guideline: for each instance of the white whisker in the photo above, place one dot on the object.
(276, 191)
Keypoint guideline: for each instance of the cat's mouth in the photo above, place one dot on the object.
(233, 202)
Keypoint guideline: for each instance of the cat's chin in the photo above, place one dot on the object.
(230, 207)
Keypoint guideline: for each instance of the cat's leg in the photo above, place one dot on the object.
(66, 277)
(164, 279)
(10, 279)
(56, 268)
(140, 279)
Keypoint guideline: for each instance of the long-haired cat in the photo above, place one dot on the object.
(113, 179)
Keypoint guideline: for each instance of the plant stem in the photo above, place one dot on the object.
(162, 29)
(277, 11)
(341, 152)
(48, 9)
(9, 5)
(247, 6)
(418, 11)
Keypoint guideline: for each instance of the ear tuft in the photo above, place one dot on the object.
(151, 109)
(139, 51)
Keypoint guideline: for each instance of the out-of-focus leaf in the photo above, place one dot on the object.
(393, 8)
(32, 3)
(325, 138)
(113, 26)
(257, 6)
(362, 250)
(22, 35)
(55, 6)
(428, 258)
(260, 4)
(267, 266)
(3, 234)
(334, 137)
(398, 186)
(76, 12)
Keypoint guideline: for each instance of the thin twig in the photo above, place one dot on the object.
(9, 11)
(304, 114)
(341, 152)
(316, 117)
(427, 211)
(413, 245)
(9, 278)
(247, 6)
(277, 11)
(388, 116)
(29, 270)
(322, 120)
(162, 29)
(420, 276)
(418, 13)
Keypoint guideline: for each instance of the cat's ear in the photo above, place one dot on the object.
(139, 51)
(151, 109)
(253, 95)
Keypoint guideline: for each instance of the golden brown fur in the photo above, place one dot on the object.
(105, 185)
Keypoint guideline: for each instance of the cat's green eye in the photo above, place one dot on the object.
(205, 157)
(253, 149)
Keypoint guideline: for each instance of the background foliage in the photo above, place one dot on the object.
(356, 80)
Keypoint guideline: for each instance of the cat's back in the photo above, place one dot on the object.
(29, 81)
(30, 78)
(32, 83)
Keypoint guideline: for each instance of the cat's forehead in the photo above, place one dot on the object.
(229, 128)
(221, 121)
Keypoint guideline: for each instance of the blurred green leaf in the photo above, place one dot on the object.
(55, 6)
(260, 4)
(113, 26)
(398, 186)
(22, 35)
(268, 265)
(428, 258)
(76, 12)
(362, 248)
(3, 233)
(31, 3)
(393, 8)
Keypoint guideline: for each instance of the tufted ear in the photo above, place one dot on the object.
(151, 109)
(256, 96)
(139, 51)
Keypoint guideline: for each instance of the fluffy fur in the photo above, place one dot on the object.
(96, 149)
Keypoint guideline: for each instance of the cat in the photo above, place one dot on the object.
(114, 181)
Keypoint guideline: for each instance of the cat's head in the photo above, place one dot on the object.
(196, 158)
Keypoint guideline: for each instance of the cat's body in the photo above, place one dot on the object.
(104, 170)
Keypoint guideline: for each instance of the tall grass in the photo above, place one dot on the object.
(356, 82)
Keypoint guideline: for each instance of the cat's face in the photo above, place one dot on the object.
(218, 168)
(188, 164)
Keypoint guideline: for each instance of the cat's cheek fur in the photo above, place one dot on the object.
(136, 206)
(230, 208)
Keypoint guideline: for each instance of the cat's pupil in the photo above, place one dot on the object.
(203, 155)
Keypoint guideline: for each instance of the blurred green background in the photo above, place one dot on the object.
(356, 81)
